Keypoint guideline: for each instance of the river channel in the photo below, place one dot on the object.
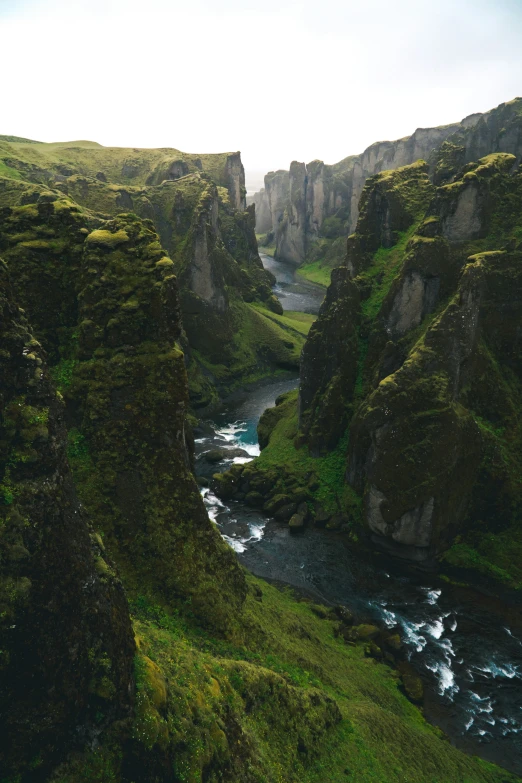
(466, 646)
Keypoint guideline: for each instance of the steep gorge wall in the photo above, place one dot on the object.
(405, 431)
(116, 337)
(200, 216)
(67, 647)
(325, 205)
(422, 447)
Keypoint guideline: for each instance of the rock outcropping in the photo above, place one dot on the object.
(197, 205)
(425, 419)
(116, 336)
(66, 646)
(405, 428)
(312, 205)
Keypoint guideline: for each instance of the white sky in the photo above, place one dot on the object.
(278, 80)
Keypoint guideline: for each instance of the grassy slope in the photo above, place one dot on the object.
(293, 321)
(316, 273)
(327, 471)
(283, 658)
(259, 332)
(284, 645)
(119, 164)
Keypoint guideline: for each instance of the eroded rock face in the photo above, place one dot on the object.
(235, 178)
(292, 233)
(389, 205)
(416, 298)
(132, 391)
(66, 645)
(329, 366)
(204, 281)
(333, 192)
(127, 392)
(464, 206)
(416, 445)
(262, 211)
(432, 351)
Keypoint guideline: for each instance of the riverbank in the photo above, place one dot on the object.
(467, 649)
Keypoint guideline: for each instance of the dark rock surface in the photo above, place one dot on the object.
(66, 645)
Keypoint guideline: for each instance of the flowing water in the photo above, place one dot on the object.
(293, 292)
(466, 646)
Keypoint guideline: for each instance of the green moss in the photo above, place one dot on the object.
(292, 321)
(327, 472)
(316, 272)
(62, 373)
(107, 239)
(382, 271)
(465, 556)
(97, 766)
(261, 344)
(285, 701)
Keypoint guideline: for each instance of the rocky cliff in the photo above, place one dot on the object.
(115, 332)
(197, 205)
(222, 677)
(411, 375)
(308, 218)
(66, 640)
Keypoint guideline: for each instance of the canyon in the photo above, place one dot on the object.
(307, 211)
(135, 645)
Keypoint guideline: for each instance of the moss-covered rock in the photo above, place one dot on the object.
(202, 223)
(407, 361)
(66, 643)
(329, 366)
(131, 392)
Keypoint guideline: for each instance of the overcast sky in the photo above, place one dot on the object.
(278, 80)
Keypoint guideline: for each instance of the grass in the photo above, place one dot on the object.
(383, 270)
(333, 492)
(264, 345)
(120, 165)
(316, 272)
(292, 320)
(8, 171)
(274, 687)
(485, 559)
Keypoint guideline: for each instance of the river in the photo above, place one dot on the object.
(467, 647)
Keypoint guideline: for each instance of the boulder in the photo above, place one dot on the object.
(218, 455)
(322, 517)
(296, 523)
(361, 633)
(275, 503)
(411, 682)
(254, 499)
(393, 642)
(284, 513)
(343, 614)
(303, 510)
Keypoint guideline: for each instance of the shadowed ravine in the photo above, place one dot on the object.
(467, 647)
